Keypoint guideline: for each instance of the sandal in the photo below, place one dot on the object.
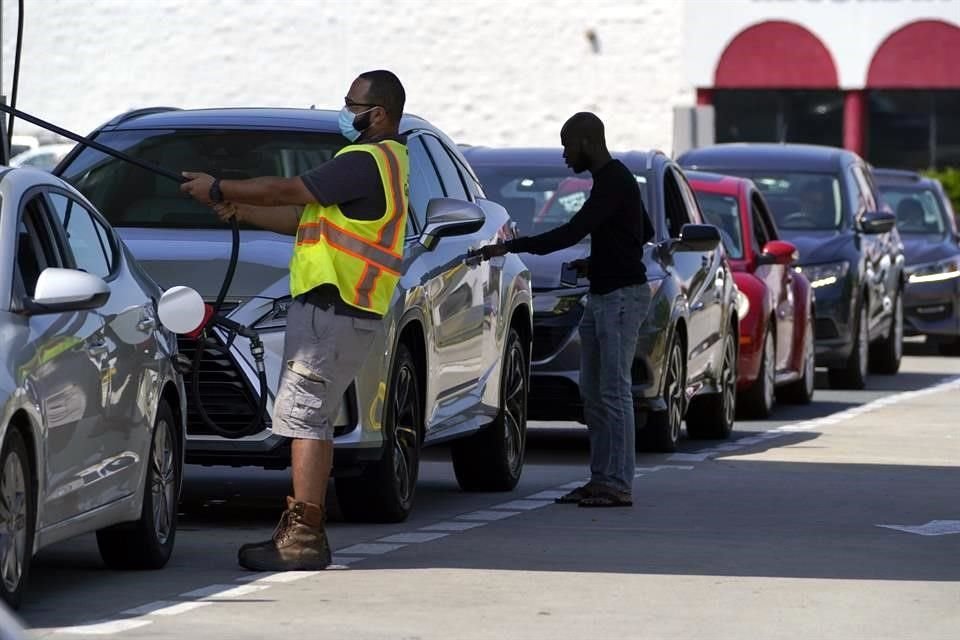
(578, 494)
(607, 498)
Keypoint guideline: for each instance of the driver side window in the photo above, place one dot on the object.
(36, 248)
(676, 213)
(760, 235)
(424, 182)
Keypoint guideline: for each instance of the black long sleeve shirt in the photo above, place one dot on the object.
(615, 219)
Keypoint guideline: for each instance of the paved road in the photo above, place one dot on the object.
(773, 535)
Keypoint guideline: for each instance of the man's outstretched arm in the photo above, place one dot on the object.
(264, 192)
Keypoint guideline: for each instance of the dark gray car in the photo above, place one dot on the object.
(686, 356)
(926, 223)
(824, 201)
(454, 361)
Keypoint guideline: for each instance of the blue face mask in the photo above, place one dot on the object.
(346, 122)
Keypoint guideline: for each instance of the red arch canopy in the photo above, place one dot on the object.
(922, 54)
(776, 55)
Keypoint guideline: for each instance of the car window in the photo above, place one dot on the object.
(453, 185)
(865, 200)
(540, 198)
(36, 248)
(693, 207)
(424, 183)
(799, 200)
(723, 212)
(761, 236)
(918, 210)
(676, 214)
(90, 247)
(133, 197)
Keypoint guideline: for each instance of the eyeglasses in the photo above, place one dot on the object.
(351, 104)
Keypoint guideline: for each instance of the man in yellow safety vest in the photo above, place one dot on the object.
(349, 216)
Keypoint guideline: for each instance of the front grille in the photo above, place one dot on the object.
(224, 392)
(547, 340)
(825, 329)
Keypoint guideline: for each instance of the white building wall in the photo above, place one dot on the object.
(852, 30)
(486, 71)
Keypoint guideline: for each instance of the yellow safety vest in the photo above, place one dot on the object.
(362, 258)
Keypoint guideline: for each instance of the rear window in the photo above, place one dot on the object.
(539, 199)
(918, 210)
(723, 212)
(133, 197)
(799, 200)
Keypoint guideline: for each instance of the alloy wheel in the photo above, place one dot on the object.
(163, 467)
(13, 521)
(810, 363)
(898, 328)
(728, 381)
(515, 408)
(769, 370)
(406, 410)
(863, 346)
(675, 392)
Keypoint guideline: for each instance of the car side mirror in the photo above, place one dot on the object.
(877, 222)
(778, 252)
(697, 237)
(61, 290)
(182, 310)
(450, 217)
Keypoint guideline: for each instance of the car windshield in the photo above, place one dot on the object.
(918, 210)
(133, 197)
(540, 198)
(723, 212)
(799, 201)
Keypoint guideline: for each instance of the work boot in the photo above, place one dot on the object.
(299, 542)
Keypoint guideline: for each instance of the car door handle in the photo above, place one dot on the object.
(97, 347)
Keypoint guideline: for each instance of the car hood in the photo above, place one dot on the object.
(545, 270)
(819, 246)
(198, 258)
(920, 249)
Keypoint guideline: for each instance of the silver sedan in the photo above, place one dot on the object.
(91, 407)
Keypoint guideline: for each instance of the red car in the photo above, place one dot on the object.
(775, 304)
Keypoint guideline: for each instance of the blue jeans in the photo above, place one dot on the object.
(608, 342)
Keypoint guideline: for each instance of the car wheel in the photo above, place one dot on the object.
(17, 519)
(661, 430)
(712, 416)
(757, 401)
(492, 459)
(801, 391)
(886, 354)
(384, 491)
(148, 542)
(853, 375)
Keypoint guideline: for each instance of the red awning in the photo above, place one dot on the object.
(921, 55)
(776, 55)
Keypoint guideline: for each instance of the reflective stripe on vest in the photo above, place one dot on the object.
(363, 258)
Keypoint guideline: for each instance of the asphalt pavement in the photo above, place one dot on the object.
(840, 519)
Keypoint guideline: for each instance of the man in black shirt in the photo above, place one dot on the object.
(618, 226)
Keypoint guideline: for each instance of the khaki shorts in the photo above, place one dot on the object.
(323, 353)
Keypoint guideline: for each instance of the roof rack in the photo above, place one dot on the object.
(136, 113)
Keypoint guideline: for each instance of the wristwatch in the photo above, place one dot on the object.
(215, 194)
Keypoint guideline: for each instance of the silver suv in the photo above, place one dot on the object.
(455, 360)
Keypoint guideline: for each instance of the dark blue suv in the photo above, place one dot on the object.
(825, 202)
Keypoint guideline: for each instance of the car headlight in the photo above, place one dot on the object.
(826, 274)
(743, 304)
(555, 305)
(934, 271)
(276, 318)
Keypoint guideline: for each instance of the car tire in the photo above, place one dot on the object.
(757, 401)
(18, 507)
(148, 542)
(801, 391)
(660, 430)
(385, 490)
(885, 356)
(853, 375)
(712, 416)
(492, 459)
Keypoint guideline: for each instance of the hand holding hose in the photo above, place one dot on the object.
(198, 186)
(228, 211)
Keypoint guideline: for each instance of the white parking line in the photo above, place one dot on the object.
(370, 549)
(488, 515)
(414, 537)
(522, 505)
(448, 525)
(104, 628)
